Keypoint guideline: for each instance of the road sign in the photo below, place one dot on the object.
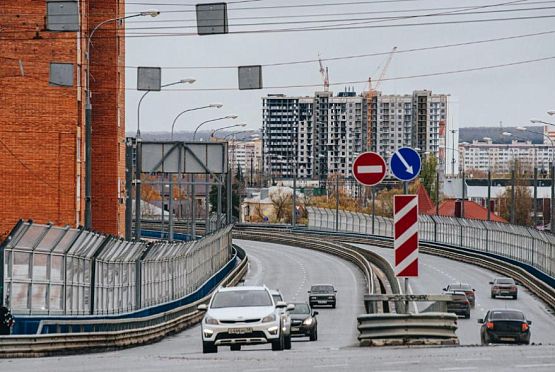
(369, 168)
(405, 164)
(406, 235)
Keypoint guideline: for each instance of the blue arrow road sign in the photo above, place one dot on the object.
(405, 164)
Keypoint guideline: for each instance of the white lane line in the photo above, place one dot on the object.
(458, 369)
(535, 365)
(331, 365)
(401, 362)
(540, 356)
(471, 359)
(261, 369)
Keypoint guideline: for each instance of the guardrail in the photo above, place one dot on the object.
(407, 329)
(525, 245)
(130, 332)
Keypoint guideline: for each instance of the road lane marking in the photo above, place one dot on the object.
(331, 365)
(402, 362)
(540, 357)
(458, 369)
(470, 359)
(535, 365)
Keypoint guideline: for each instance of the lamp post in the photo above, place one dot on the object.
(193, 209)
(209, 121)
(228, 127)
(88, 112)
(552, 202)
(138, 161)
(214, 105)
(453, 153)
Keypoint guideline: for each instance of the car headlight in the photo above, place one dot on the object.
(269, 318)
(210, 320)
(308, 321)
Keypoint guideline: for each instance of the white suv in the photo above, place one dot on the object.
(239, 316)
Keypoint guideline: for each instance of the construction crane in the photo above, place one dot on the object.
(324, 73)
(372, 92)
(384, 71)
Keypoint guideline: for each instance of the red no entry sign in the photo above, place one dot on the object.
(369, 168)
(406, 235)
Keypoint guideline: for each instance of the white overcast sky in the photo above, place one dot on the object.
(511, 95)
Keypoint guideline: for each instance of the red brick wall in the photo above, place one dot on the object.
(108, 149)
(41, 125)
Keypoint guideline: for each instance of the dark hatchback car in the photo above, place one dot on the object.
(504, 287)
(303, 321)
(460, 304)
(322, 294)
(464, 287)
(505, 325)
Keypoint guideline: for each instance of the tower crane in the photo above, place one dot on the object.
(324, 73)
(372, 91)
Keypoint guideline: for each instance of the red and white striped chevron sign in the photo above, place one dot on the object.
(406, 235)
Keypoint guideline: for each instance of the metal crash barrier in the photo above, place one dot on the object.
(407, 329)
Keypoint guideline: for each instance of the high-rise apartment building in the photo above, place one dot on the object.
(323, 134)
(319, 135)
(407, 121)
(42, 113)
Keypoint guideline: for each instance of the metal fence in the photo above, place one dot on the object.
(523, 244)
(65, 271)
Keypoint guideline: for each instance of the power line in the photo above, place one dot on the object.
(287, 30)
(406, 77)
(338, 58)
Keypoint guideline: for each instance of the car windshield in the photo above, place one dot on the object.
(505, 281)
(300, 309)
(462, 287)
(244, 298)
(277, 298)
(321, 289)
(506, 315)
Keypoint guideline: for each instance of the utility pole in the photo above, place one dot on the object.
(535, 197)
(513, 193)
(489, 195)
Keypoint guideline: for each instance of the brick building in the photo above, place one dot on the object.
(42, 114)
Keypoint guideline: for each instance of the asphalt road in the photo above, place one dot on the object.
(292, 270)
(435, 273)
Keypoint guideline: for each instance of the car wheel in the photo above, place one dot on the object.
(277, 345)
(467, 315)
(333, 305)
(314, 335)
(287, 343)
(492, 295)
(235, 347)
(482, 340)
(209, 347)
(515, 297)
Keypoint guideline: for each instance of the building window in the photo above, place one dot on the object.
(61, 74)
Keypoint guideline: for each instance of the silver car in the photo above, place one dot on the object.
(239, 316)
(285, 318)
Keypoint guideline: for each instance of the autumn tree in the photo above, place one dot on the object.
(428, 175)
(282, 202)
(522, 200)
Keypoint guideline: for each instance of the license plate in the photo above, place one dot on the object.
(506, 338)
(239, 331)
(295, 329)
(322, 302)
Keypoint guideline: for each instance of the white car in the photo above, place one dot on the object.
(239, 316)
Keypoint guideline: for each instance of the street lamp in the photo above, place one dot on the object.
(537, 121)
(88, 113)
(215, 105)
(228, 127)
(211, 120)
(182, 81)
(241, 132)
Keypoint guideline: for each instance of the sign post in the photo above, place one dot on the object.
(405, 241)
(369, 168)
